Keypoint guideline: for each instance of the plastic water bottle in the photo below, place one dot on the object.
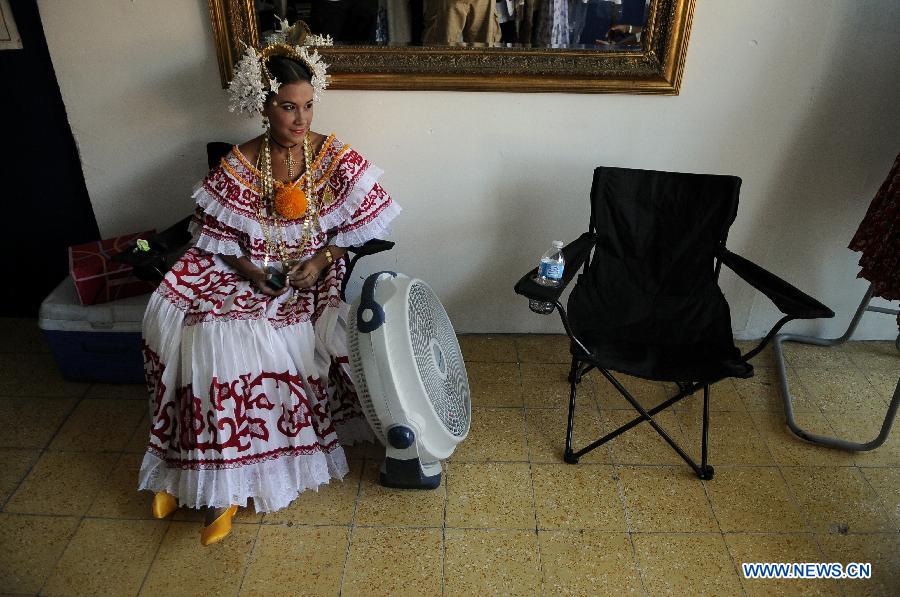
(550, 273)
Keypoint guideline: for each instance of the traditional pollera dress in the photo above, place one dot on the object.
(250, 395)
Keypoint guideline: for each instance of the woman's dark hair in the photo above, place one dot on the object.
(287, 70)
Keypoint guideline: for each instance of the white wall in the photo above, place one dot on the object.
(799, 98)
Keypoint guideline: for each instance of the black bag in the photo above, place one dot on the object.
(166, 248)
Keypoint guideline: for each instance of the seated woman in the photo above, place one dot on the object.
(244, 340)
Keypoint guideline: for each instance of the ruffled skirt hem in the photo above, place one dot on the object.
(272, 484)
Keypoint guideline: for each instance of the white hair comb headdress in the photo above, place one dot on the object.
(252, 81)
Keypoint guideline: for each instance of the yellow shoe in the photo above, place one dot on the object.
(219, 528)
(163, 504)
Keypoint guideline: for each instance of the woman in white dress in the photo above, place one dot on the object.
(244, 340)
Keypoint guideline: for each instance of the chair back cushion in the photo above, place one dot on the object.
(649, 303)
(215, 151)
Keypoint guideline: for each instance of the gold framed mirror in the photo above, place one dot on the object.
(653, 64)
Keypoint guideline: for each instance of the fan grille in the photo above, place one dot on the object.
(360, 383)
(439, 359)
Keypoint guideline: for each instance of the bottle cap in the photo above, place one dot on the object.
(558, 244)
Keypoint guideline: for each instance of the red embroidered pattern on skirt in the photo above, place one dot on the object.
(244, 460)
(230, 420)
(344, 403)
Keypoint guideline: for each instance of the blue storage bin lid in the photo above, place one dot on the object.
(62, 311)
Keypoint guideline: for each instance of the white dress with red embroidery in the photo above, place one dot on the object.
(251, 395)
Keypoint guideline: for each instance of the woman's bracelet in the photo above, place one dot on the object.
(329, 258)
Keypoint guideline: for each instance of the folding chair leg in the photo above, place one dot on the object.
(823, 440)
(706, 471)
(574, 378)
(703, 470)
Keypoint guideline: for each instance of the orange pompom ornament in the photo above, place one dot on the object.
(290, 201)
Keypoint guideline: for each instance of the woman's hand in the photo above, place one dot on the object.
(260, 280)
(257, 277)
(306, 274)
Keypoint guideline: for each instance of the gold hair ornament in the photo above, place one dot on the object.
(252, 81)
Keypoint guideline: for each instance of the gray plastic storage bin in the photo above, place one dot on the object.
(94, 342)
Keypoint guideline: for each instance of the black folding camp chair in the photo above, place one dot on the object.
(647, 301)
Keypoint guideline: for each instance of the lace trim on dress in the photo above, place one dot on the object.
(211, 242)
(371, 220)
(213, 236)
(227, 195)
(281, 480)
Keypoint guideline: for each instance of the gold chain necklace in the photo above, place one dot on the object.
(266, 201)
(289, 160)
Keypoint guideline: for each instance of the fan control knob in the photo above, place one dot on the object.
(401, 437)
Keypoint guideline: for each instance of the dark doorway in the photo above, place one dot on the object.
(45, 203)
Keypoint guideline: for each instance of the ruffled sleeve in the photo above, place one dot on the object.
(357, 209)
(225, 217)
(213, 236)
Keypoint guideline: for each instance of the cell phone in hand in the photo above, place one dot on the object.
(277, 279)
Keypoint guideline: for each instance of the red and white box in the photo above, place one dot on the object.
(99, 279)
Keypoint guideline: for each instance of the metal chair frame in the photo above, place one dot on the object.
(788, 399)
(794, 304)
(583, 363)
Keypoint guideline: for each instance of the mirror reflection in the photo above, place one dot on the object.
(610, 25)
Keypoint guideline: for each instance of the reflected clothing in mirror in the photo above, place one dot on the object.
(345, 20)
(454, 21)
(516, 21)
(599, 16)
(553, 24)
(596, 24)
(398, 21)
(574, 23)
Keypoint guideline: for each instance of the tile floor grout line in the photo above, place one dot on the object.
(885, 507)
(704, 484)
(883, 532)
(115, 465)
(806, 517)
(62, 552)
(637, 563)
(620, 491)
(44, 449)
(250, 555)
(162, 540)
(537, 535)
(736, 567)
(352, 524)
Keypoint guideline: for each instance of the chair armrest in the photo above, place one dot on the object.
(166, 248)
(370, 247)
(786, 297)
(376, 245)
(574, 254)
